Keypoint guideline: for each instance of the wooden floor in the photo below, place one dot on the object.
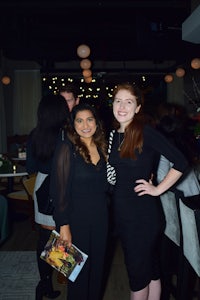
(22, 238)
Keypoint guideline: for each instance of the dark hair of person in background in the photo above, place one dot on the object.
(70, 87)
(177, 131)
(53, 114)
(99, 136)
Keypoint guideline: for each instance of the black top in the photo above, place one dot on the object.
(129, 170)
(78, 189)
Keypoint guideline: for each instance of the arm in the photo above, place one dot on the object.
(60, 186)
(173, 171)
(145, 187)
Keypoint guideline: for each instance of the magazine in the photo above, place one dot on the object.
(68, 261)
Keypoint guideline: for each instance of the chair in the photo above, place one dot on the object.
(22, 201)
(184, 231)
(190, 266)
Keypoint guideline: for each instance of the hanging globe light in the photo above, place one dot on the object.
(85, 64)
(5, 80)
(180, 72)
(88, 79)
(83, 51)
(87, 73)
(195, 63)
(168, 78)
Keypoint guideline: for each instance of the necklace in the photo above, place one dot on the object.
(120, 142)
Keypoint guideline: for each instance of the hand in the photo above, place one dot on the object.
(145, 188)
(65, 235)
(151, 178)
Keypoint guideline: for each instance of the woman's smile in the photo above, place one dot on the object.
(85, 124)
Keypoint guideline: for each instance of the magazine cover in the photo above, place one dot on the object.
(68, 261)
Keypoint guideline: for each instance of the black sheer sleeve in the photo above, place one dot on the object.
(60, 183)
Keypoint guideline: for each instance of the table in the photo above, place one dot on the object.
(10, 176)
(18, 159)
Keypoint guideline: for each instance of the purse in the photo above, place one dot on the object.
(45, 203)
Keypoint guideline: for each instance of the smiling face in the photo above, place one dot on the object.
(85, 124)
(125, 107)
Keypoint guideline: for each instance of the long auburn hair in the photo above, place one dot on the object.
(133, 135)
(98, 137)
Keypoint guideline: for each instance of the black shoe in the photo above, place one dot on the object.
(44, 289)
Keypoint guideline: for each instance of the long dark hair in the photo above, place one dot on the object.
(133, 135)
(52, 115)
(98, 137)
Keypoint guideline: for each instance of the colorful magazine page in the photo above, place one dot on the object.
(68, 261)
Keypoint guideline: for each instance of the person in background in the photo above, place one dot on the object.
(79, 193)
(172, 128)
(70, 93)
(52, 115)
(187, 186)
(135, 149)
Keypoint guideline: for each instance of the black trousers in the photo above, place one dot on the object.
(92, 240)
(45, 270)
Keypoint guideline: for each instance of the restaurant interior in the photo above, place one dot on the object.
(96, 45)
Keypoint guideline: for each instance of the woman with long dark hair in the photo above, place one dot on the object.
(79, 192)
(53, 116)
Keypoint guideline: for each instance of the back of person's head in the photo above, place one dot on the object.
(53, 114)
(172, 127)
(168, 124)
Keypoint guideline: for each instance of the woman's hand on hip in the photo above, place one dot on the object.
(144, 187)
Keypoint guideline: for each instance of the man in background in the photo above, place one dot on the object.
(70, 93)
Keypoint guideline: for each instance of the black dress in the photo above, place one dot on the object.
(79, 191)
(140, 219)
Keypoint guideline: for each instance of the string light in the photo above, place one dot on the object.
(98, 90)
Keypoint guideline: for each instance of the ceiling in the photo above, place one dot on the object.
(50, 31)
